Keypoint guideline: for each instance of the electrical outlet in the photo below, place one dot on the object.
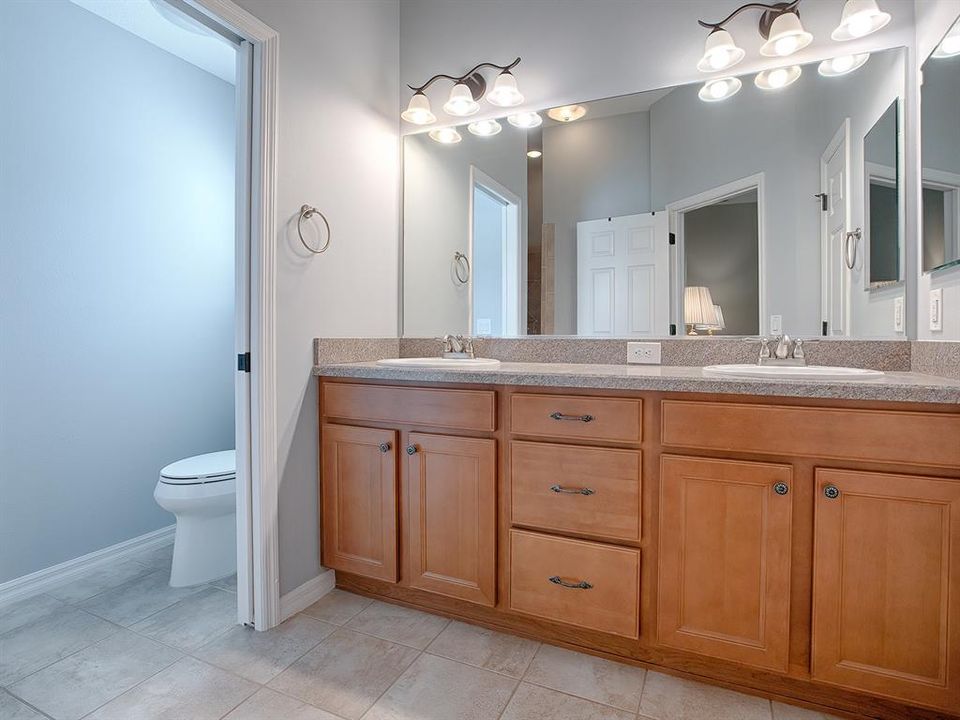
(898, 314)
(776, 324)
(643, 353)
(936, 310)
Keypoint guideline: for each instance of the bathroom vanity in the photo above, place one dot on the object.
(796, 541)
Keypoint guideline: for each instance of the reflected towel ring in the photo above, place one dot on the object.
(461, 263)
(308, 212)
(851, 260)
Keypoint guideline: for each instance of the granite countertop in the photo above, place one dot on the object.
(891, 387)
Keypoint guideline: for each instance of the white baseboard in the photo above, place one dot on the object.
(307, 594)
(50, 577)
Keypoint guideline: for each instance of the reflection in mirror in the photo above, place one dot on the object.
(940, 155)
(597, 221)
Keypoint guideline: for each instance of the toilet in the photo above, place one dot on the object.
(201, 492)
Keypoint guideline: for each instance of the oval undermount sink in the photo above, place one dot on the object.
(796, 372)
(441, 362)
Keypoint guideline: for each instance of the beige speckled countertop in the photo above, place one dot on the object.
(891, 387)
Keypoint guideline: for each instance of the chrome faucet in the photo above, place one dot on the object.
(456, 346)
(784, 351)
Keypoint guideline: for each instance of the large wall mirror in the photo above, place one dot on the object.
(667, 212)
(940, 154)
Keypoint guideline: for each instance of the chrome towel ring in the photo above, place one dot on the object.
(461, 267)
(850, 259)
(308, 212)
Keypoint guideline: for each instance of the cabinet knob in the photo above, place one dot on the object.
(385, 447)
(411, 449)
(831, 492)
(781, 488)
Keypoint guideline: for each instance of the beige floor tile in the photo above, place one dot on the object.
(187, 690)
(48, 639)
(82, 682)
(267, 704)
(96, 581)
(488, 649)
(782, 711)
(337, 607)
(346, 673)
(194, 621)
(592, 678)
(21, 612)
(398, 624)
(434, 688)
(160, 558)
(532, 702)
(669, 698)
(261, 656)
(131, 602)
(13, 709)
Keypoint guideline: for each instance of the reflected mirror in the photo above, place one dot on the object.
(666, 212)
(940, 154)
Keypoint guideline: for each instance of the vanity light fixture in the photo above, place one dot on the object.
(779, 26)
(446, 136)
(720, 52)
(842, 64)
(777, 78)
(720, 89)
(484, 128)
(858, 19)
(525, 120)
(950, 45)
(787, 36)
(465, 94)
(567, 113)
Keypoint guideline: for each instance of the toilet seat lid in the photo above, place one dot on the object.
(211, 467)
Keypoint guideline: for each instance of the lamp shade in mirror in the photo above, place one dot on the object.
(698, 308)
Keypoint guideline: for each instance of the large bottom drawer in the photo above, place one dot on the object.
(582, 583)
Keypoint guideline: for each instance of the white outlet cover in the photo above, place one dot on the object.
(643, 353)
(898, 314)
(936, 310)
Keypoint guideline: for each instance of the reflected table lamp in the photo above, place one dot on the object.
(711, 329)
(698, 308)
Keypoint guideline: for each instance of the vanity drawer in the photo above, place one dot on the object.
(576, 417)
(540, 563)
(434, 407)
(569, 488)
(836, 433)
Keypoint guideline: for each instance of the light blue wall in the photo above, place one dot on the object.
(116, 279)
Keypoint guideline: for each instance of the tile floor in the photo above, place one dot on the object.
(121, 644)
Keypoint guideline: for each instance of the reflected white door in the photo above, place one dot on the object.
(623, 276)
(835, 281)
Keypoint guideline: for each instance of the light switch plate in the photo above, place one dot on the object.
(776, 324)
(643, 353)
(936, 310)
(898, 314)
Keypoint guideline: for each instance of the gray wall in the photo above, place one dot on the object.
(116, 273)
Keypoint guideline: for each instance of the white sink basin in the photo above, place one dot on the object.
(800, 372)
(440, 362)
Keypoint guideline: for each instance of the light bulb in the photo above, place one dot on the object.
(719, 59)
(525, 120)
(461, 102)
(445, 136)
(858, 19)
(777, 78)
(842, 65)
(484, 128)
(860, 25)
(504, 92)
(786, 45)
(786, 36)
(719, 52)
(418, 111)
(720, 89)
(534, 154)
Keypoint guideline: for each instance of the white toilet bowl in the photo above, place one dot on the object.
(201, 492)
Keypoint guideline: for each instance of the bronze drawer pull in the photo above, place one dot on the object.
(582, 585)
(572, 491)
(582, 418)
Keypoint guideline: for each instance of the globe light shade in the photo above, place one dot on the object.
(720, 52)
(858, 19)
(504, 92)
(720, 89)
(842, 64)
(461, 102)
(787, 36)
(778, 78)
(418, 111)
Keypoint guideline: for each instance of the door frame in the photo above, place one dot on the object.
(841, 136)
(258, 476)
(675, 212)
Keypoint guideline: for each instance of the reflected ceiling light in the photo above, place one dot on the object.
(445, 136)
(787, 36)
(950, 45)
(720, 89)
(858, 19)
(461, 102)
(525, 120)
(418, 111)
(567, 113)
(841, 65)
(484, 128)
(720, 52)
(534, 154)
(505, 93)
(777, 78)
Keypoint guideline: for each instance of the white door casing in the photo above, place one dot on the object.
(623, 276)
(835, 280)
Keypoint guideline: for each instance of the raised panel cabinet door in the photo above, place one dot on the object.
(724, 559)
(886, 585)
(359, 500)
(450, 486)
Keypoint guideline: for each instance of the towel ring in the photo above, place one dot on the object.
(850, 260)
(308, 212)
(461, 263)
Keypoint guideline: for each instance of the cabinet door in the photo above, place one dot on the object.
(724, 569)
(886, 585)
(359, 500)
(451, 496)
